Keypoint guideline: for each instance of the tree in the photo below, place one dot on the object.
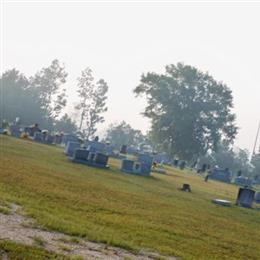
(49, 84)
(92, 102)
(227, 157)
(123, 133)
(190, 112)
(255, 161)
(65, 124)
(19, 99)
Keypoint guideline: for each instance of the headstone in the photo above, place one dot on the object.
(245, 197)
(162, 158)
(38, 137)
(94, 146)
(123, 149)
(15, 130)
(145, 158)
(132, 150)
(175, 162)
(101, 159)
(49, 139)
(57, 139)
(146, 163)
(186, 187)
(109, 150)
(221, 175)
(257, 197)
(182, 165)
(127, 165)
(222, 202)
(69, 138)
(80, 154)
(31, 130)
(243, 181)
(71, 147)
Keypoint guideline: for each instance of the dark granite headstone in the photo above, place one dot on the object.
(49, 139)
(182, 165)
(127, 165)
(186, 187)
(80, 154)
(123, 149)
(245, 197)
(101, 159)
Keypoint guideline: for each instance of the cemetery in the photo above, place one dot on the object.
(95, 154)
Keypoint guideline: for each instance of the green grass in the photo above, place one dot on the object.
(5, 210)
(20, 252)
(124, 210)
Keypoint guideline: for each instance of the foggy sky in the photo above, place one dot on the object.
(120, 41)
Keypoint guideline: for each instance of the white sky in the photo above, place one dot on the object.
(120, 41)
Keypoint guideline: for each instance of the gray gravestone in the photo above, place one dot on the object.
(71, 147)
(69, 138)
(127, 165)
(38, 137)
(49, 139)
(101, 159)
(80, 154)
(245, 197)
(221, 175)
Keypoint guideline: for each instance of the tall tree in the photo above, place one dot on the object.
(228, 157)
(255, 161)
(65, 124)
(92, 102)
(49, 83)
(123, 133)
(190, 112)
(19, 99)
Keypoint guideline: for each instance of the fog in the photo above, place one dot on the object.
(120, 41)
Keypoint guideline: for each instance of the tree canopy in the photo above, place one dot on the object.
(123, 133)
(190, 111)
(92, 102)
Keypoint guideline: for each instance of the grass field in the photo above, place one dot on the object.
(123, 210)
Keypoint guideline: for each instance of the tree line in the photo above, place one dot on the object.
(42, 99)
(191, 113)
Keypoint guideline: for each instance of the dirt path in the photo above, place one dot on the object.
(22, 229)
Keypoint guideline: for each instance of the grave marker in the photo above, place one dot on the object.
(245, 197)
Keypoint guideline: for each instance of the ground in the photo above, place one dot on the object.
(120, 210)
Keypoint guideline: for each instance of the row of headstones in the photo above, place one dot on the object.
(95, 154)
(86, 155)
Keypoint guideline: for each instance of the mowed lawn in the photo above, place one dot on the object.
(128, 211)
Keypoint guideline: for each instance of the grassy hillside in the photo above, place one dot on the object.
(132, 212)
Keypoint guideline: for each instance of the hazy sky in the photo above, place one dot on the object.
(120, 41)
